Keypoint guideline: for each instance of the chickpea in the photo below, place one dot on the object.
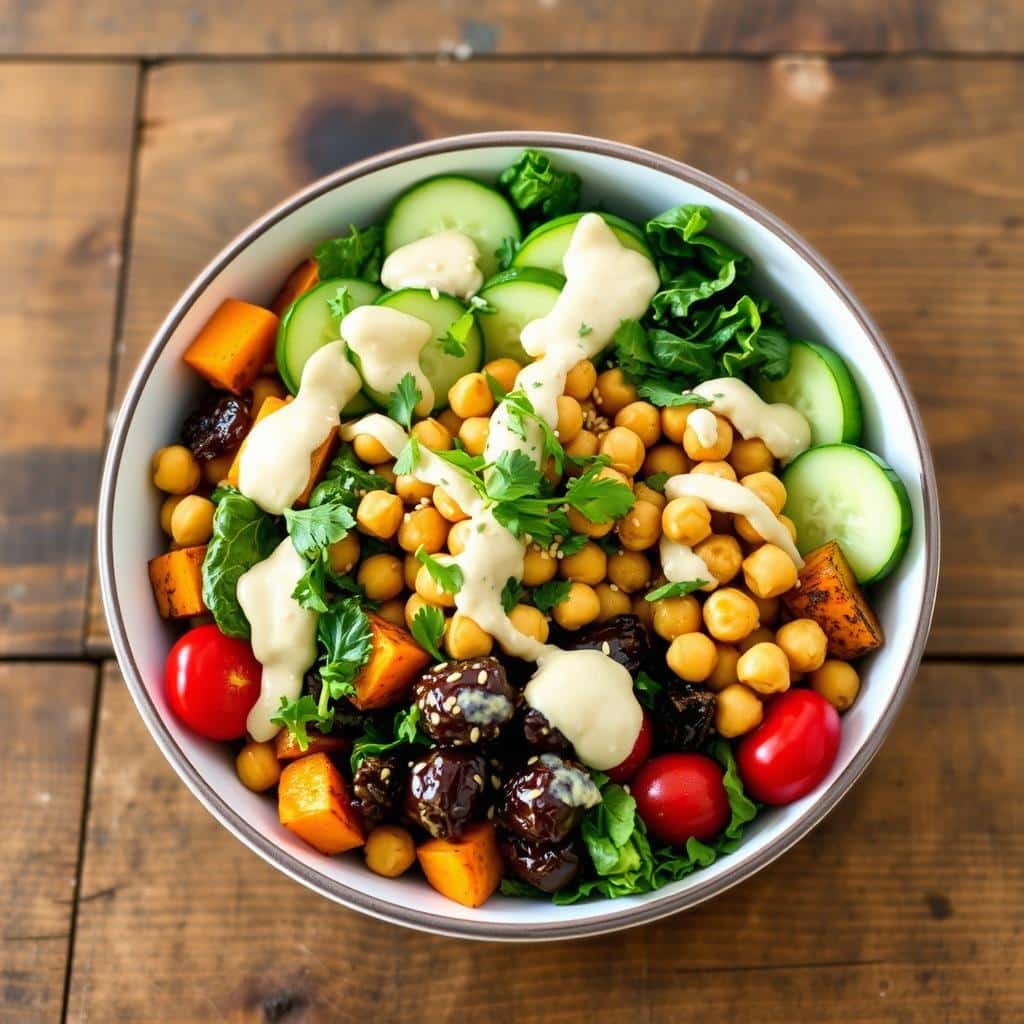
(692, 656)
(790, 527)
(380, 514)
(411, 490)
(570, 419)
(761, 635)
(410, 570)
(583, 445)
(170, 503)
(465, 639)
(764, 668)
(412, 605)
(392, 611)
(724, 672)
(447, 506)
(838, 682)
(579, 609)
(686, 520)
(581, 524)
(474, 433)
(381, 576)
(471, 396)
(630, 571)
(640, 527)
(720, 469)
(722, 555)
(646, 493)
(750, 455)
(581, 380)
(768, 608)
(257, 766)
(538, 566)
(643, 610)
(719, 450)
(386, 472)
(530, 622)
(192, 521)
(804, 643)
(769, 571)
(450, 421)
(504, 371)
(589, 565)
(389, 851)
(643, 419)
(458, 536)
(730, 615)
(737, 711)
(613, 601)
(215, 471)
(423, 526)
(614, 392)
(344, 554)
(432, 434)
(769, 488)
(263, 388)
(429, 590)
(370, 450)
(673, 421)
(674, 616)
(625, 450)
(665, 458)
(175, 470)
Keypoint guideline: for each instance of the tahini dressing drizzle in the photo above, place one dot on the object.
(445, 261)
(703, 423)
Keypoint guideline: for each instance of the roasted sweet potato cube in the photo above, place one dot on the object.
(467, 869)
(395, 661)
(313, 801)
(305, 276)
(177, 579)
(234, 345)
(287, 748)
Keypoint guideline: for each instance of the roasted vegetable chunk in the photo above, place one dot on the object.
(313, 801)
(467, 869)
(177, 579)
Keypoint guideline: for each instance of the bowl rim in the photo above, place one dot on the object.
(616, 918)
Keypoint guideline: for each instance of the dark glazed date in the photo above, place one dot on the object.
(217, 427)
(541, 735)
(683, 716)
(377, 787)
(464, 702)
(544, 801)
(446, 791)
(624, 639)
(547, 866)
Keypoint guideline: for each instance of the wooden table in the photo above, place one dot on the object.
(138, 138)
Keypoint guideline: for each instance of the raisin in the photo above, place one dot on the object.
(623, 639)
(683, 716)
(446, 791)
(541, 735)
(544, 801)
(217, 427)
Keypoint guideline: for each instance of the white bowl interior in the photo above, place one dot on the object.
(812, 307)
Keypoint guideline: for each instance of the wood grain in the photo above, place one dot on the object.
(461, 27)
(42, 784)
(905, 173)
(65, 160)
(902, 906)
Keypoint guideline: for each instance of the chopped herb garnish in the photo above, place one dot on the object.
(403, 401)
(584, 330)
(547, 595)
(427, 629)
(511, 594)
(447, 577)
(680, 589)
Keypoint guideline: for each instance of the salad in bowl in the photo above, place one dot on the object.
(518, 543)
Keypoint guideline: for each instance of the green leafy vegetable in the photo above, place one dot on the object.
(657, 481)
(658, 393)
(573, 544)
(344, 634)
(405, 731)
(647, 689)
(447, 577)
(511, 594)
(358, 254)
(243, 534)
(342, 304)
(311, 590)
(427, 629)
(403, 400)
(521, 412)
(547, 595)
(538, 190)
(454, 341)
(600, 499)
(296, 715)
(409, 457)
(680, 589)
(514, 475)
(317, 527)
(497, 391)
(347, 480)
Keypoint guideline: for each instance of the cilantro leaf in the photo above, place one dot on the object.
(454, 341)
(345, 636)
(409, 457)
(573, 544)
(358, 254)
(658, 393)
(537, 189)
(521, 411)
(311, 590)
(511, 594)
(447, 577)
(657, 481)
(317, 527)
(547, 595)
(427, 629)
(403, 400)
(497, 391)
(680, 589)
(405, 731)
(584, 330)
(295, 715)
(647, 689)
(506, 252)
(342, 304)
(513, 475)
(599, 499)
(347, 480)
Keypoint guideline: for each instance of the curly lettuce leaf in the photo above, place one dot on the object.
(358, 254)
(537, 189)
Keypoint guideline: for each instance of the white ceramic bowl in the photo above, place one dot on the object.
(629, 181)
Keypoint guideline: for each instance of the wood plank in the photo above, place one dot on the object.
(65, 170)
(902, 905)
(461, 27)
(43, 768)
(903, 172)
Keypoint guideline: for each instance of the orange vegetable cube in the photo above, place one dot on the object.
(300, 280)
(234, 345)
(467, 869)
(395, 662)
(286, 746)
(177, 579)
(313, 801)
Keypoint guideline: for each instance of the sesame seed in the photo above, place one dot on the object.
(495, 782)
(435, 718)
(474, 735)
(532, 760)
(453, 677)
(613, 587)
(456, 710)
(490, 812)
(478, 779)
(385, 774)
(605, 648)
(481, 676)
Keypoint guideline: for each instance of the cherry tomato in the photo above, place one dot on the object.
(641, 751)
(792, 750)
(681, 795)
(212, 682)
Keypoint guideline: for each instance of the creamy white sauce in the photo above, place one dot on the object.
(729, 496)
(680, 563)
(275, 462)
(388, 343)
(589, 698)
(570, 785)
(445, 262)
(481, 707)
(703, 423)
(283, 633)
(784, 430)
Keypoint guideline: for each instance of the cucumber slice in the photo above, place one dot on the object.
(845, 493)
(518, 296)
(545, 245)
(440, 368)
(309, 324)
(819, 385)
(453, 201)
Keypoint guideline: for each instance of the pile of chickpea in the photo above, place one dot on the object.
(731, 639)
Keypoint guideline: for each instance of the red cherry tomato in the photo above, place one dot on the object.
(681, 795)
(641, 751)
(792, 750)
(212, 682)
